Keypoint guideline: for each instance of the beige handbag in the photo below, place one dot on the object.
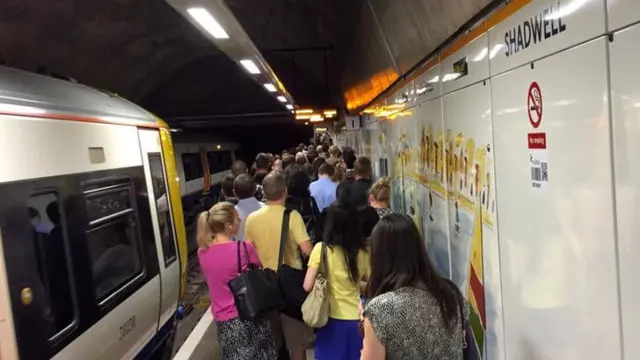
(315, 309)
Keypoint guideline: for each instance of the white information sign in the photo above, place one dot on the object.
(538, 161)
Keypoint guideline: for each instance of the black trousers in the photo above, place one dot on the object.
(283, 354)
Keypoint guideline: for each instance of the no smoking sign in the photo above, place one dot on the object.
(534, 104)
(537, 142)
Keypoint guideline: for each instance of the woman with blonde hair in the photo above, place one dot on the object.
(218, 255)
(380, 197)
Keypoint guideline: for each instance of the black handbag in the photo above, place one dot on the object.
(291, 279)
(256, 291)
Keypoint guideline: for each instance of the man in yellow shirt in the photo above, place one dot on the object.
(264, 228)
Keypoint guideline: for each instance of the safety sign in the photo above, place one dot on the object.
(538, 161)
(534, 104)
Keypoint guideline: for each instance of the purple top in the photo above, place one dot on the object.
(219, 264)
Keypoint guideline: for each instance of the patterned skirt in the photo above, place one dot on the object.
(246, 340)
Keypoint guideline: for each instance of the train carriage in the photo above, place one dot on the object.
(203, 162)
(93, 247)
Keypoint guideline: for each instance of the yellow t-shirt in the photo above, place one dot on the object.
(344, 295)
(263, 228)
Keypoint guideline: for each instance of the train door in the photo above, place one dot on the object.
(163, 226)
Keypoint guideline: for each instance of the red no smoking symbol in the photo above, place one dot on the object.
(534, 104)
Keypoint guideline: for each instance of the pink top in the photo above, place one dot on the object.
(219, 264)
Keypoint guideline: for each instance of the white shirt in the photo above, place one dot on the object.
(244, 208)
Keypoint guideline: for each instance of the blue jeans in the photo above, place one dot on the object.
(338, 340)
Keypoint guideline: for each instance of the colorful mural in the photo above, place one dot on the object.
(443, 180)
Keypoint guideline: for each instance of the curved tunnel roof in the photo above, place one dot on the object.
(145, 51)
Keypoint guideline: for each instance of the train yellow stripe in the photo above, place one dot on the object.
(176, 202)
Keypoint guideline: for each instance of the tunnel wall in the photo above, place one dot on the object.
(390, 37)
(513, 150)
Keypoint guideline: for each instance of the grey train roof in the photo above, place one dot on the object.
(21, 90)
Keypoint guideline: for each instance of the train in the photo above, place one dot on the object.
(202, 162)
(93, 244)
(513, 149)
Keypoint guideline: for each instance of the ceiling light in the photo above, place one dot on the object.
(250, 66)
(330, 113)
(289, 106)
(270, 87)
(306, 123)
(303, 117)
(495, 50)
(483, 53)
(207, 21)
(304, 111)
(282, 98)
(449, 77)
(316, 117)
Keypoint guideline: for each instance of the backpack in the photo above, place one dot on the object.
(308, 209)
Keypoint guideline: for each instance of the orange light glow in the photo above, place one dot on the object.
(363, 93)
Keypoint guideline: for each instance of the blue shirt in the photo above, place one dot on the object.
(244, 208)
(323, 191)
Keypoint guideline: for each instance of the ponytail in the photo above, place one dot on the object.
(204, 234)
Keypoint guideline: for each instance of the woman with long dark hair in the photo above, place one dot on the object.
(414, 313)
(348, 265)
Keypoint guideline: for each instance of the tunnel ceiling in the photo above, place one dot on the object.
(321, 50)
(370, 42)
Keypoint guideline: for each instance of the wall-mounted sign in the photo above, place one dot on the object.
(461, 68)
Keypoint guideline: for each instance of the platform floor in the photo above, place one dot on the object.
(196, 302)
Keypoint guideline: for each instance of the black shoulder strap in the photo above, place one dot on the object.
(314, 206)
(239, 259)
(283, 235)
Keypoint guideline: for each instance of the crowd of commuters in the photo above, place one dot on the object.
(386, 300)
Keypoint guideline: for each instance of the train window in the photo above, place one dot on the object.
(51, 262)
(225, 160)
(112, 236)
(192, 166)
(212, 159)
(162, 205)
(219, 161)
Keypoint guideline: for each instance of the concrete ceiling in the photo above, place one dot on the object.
(148, 53)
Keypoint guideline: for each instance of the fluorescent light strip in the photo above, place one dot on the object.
(204, 18)
(250, 66)
(270, 87)
(282, 98)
